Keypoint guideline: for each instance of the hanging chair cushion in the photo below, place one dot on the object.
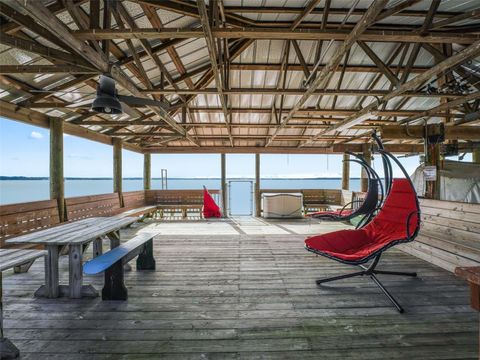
(387, 229)
(210, 208)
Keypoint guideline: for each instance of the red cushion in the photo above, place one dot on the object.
(388, 226)
(210, 208)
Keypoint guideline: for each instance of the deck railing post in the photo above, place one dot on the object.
(224, 184)
(147, 171)
(367, 154)
(57, 190)
(476, 156)
(346, 172)
(117, 168)
(432, 158)
(257, 186)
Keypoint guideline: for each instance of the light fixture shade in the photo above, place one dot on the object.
(107, 105)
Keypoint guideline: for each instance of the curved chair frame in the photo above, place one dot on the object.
(369, 205)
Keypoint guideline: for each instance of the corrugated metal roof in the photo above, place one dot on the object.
(193, 54)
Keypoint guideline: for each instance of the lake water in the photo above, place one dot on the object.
(17, 191)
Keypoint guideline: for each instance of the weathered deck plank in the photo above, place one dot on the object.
(246, 297)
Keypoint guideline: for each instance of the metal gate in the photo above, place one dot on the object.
(240, 197)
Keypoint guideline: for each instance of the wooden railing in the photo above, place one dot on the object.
(449, 235)
(16, 219)
(23, 218)
(82, 207)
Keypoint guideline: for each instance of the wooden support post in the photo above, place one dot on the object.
(224, 184)
(117, 168)
(257, 186)
(57, 190)
(367, 154)
(476, 156)
(147, 171)
(432, 158)
(346, 172)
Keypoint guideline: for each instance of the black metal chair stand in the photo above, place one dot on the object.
(372, 271)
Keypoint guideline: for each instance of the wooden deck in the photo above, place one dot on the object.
(245, 289)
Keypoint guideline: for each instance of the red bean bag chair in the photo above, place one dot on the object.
(210, 207)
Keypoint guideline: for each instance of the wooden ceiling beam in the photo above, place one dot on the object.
(306, 11)
(463, 70)
(472, 14)
(28, 23)
(446, 106)
(48, 53)
(275, 34)
(333, 149)
(396, 9)
(45, 69)
(471, 133)
(39, 12)
(333, 11)
(372, 109)
(384, 69)
(304, 112)
(56, 8)
(187, 8)
(221, 124)
(217, 72)
(323, 75)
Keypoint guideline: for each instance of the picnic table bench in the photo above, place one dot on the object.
(12, 258)
(77, 236)
(113, 264)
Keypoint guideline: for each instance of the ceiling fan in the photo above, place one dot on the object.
(107, 99)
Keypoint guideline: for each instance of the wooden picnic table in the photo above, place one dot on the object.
(76, 235)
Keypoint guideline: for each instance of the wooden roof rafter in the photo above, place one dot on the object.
(186, 70)
(332, 64)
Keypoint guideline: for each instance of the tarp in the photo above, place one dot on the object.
(210, 207)
(459, 181)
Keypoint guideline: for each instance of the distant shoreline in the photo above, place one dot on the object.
(180, 178)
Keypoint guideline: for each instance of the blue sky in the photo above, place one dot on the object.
(24, 152)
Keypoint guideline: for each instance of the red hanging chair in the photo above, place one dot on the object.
(210, 207)
(398, 221)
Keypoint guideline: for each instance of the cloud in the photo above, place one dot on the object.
(36, 135)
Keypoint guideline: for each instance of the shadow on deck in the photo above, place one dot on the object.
(244, 289)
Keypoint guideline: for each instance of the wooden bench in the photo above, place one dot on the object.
(82, 207)
(449, 236)
(112, 264)
(321, 199)
(135, 204)
(472, 275)
(24, 218)
(13, 258)
(184, 201)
